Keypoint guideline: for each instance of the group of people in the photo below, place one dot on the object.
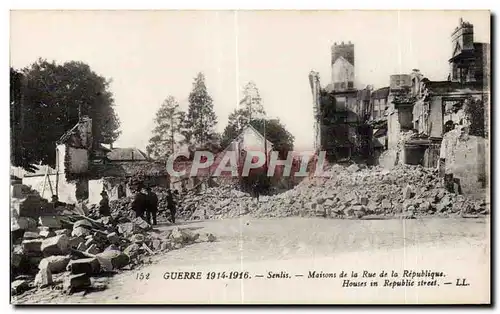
(145, 205)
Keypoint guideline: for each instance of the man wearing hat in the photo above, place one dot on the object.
(139, 203)
(151, 206)
(171, 205)
(104, 209)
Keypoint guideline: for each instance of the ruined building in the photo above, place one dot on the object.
(341, 110)
(83, 171)
(442, 123)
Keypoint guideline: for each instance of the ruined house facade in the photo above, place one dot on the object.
(413, 120)
(83, 171)
(430, 123)
(67, 180)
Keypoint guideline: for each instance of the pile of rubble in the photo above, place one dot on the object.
(69, 251)
(355, 191)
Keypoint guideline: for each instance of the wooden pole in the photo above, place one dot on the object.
(44, 182)
(57, 171)
(50, 183)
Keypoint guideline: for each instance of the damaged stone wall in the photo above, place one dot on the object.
(396, 154)
(95, 189)
(436, 117)
(465, 158)
(66, 190)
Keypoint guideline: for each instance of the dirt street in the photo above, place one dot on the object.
(297, 246)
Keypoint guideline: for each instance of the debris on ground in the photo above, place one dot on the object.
(351, 192)
(64, 250)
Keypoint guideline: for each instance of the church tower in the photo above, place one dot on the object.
(342, 66)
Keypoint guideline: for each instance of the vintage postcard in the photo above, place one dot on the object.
(250, 157)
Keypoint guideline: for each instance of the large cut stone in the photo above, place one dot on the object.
(43, 278)
(30, 235)
(80, 232)
(19, 286)
(78, 281)
(58, 245)
(84, 266)
(112, 259)
(55, 264)
(32, 247)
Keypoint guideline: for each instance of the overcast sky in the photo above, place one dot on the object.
(153, 54)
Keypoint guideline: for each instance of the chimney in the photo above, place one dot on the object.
(111, 145)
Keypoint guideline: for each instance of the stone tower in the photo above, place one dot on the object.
(342, 66)
(462, 57)
(462, 38)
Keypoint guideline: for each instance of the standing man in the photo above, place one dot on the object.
(151, 206)
(256, 190)
(139, 203)
(171, 205)
(104, 209)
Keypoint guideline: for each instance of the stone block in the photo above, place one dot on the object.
(43, 278)
(30, 235)
(112, 260)
(76, 282)
(84, 266)
(32, 247)
(19, 286)
(58, 245)
(55, 264)
(80, 232)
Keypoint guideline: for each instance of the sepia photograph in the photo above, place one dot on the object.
(165, 157)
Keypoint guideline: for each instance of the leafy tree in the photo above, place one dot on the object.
(251, 102)
(51, 101)
(19, 155)
(237, 120)
(167, 134)
(474, 110)
(276, 133)
(251, 108)
(201, 120)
